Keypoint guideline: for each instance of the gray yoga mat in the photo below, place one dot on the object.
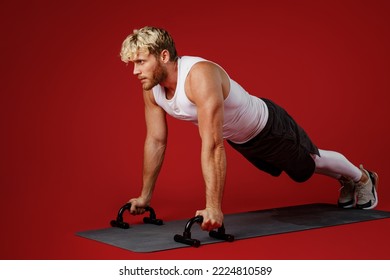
(151, 238)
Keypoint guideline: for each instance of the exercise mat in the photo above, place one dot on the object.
(151, 238)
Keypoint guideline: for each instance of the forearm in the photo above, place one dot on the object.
(154, 153)
(214, 173)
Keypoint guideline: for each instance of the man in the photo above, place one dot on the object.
(200, 91)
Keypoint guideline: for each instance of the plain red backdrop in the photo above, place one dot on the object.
(72, 126)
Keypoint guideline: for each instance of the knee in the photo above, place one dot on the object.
(319, 162)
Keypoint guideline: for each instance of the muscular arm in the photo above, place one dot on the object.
(154, 151)
(206, 91)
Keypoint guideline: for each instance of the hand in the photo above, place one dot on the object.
(138, 205)
(212, 218)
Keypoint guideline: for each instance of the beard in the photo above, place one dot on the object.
(159, 75)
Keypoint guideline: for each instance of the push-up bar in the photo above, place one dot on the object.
(186, 237)
(152, 219)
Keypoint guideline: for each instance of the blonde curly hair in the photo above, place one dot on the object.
(148, 39)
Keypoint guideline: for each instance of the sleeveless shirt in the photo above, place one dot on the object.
(244, 115)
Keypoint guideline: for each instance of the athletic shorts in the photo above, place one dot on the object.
(282, 145)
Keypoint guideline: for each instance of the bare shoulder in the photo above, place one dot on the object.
(204, 69)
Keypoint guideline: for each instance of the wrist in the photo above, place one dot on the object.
(213, 208)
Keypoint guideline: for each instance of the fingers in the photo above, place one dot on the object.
(136, 207)
(210, 225)
(210, 220)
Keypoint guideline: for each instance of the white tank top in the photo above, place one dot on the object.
(244, 115)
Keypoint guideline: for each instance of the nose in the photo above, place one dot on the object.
(136, 70)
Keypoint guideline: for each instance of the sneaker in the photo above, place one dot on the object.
(366, 192)
(347, 194)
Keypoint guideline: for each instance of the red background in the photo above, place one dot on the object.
(72, 126)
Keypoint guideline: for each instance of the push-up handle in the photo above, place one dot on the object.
(147, 220)
(186, 237)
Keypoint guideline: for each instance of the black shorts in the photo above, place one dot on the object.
(281, 146)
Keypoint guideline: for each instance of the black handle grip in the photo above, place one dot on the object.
(152, 219)
(186, 237)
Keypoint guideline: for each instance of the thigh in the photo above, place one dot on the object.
(297, 162)
(281, 146)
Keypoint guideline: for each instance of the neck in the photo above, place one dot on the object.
(171, 80)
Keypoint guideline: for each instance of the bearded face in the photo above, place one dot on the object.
(157, 75)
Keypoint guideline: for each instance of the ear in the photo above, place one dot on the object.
(165, 56)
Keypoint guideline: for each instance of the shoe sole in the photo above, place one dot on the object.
(346, 206)
(374, 178)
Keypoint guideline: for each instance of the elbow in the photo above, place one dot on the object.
(160, 143)
(215, 146)
(219, 145)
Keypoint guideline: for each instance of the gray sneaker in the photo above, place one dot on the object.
(347, 194)
(366, 193)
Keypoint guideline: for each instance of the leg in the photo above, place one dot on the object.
(356, 183)
(337, 166)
